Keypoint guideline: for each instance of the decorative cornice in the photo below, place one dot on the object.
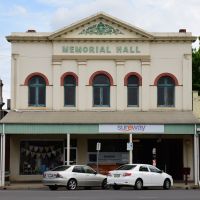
(143, 39)
(13, 38)
(101, 57)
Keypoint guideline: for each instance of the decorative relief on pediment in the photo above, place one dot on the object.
(100, 29)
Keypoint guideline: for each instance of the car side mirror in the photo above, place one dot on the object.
(161, 171)
(95, 172)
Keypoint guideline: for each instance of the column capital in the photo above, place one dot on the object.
(120, 62)
(145, 62)
(81, 62)
(187, 56)
(15, 56)
(56, 62)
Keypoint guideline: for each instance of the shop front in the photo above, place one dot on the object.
(36, 147)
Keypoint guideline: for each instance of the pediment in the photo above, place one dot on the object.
(100, 26)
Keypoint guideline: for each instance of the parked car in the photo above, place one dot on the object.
(139, 176)
(73, 176)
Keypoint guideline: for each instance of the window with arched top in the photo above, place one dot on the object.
(37, 91)
(101, 90)
(133, 91)
(166, 92)
(69, 91)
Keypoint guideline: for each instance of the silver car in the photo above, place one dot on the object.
(73, 176)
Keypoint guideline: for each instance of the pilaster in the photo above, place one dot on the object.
(82, 90)
(56, 89)
(14, 78)
(145, 101)
(187, 82)
(120, 93)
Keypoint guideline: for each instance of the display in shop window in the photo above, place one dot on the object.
(39, 156)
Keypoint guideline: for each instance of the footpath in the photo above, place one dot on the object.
(40, 186)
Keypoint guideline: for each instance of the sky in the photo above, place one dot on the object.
(50, 15)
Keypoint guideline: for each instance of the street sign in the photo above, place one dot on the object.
(129, 146)
(98, 147)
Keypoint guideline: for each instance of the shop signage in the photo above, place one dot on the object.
(70, 49)
(130, 128)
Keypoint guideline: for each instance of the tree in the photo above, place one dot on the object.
(196, 69)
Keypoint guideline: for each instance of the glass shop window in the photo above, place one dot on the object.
(39, 156)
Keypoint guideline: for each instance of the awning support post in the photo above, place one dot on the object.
(2, 167)
(68, 149)
(196, 157)
(131, 151)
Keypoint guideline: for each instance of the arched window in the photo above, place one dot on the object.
(166, 91)
(101, 90)
(133, 91)
(69, 91)
(37, 91)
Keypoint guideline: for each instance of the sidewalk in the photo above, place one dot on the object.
(39, 185)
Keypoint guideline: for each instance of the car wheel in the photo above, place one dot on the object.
(53, 187)
(138, 184)
(104, 184)
(167, 184)
(72, 184)
(116, 187)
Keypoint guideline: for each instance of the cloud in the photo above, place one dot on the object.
(16, 10)
(5, 63)
(49, 15)
(152, 15)
(56, 3)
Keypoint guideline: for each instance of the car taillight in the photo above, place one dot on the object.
(127, 174)
(58, 175)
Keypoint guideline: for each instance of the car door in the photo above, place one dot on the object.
(156, 176)
(92, 177)
(145, 175)
(80, 176)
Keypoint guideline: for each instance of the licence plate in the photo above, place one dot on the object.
(116, 175)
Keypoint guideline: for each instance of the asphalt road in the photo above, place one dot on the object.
(123, 194)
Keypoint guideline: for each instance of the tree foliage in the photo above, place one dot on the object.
(196, 69)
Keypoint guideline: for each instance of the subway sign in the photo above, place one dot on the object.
(130, 128)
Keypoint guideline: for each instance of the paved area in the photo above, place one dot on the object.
(123, 194)
(39, 185)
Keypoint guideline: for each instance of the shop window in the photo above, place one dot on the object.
(166, 92)
(37, 91)
(112, 151)
(101, 91)
(39, 156)
(133, 91)
(69, 91)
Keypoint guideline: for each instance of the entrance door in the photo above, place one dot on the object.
(73, 155)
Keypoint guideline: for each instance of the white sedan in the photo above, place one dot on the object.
(73, 176)
(139, 176)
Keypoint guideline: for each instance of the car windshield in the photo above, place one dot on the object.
(126, 167)
(61, 168)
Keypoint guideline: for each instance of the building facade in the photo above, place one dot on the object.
(101, 80)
